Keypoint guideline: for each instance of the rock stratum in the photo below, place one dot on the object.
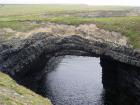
(31, 50)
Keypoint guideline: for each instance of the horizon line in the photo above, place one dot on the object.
(67, 4)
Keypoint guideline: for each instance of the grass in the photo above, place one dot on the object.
(20, 18)
(128, 26)
(13, 94)
(18, 25)
(16, 10)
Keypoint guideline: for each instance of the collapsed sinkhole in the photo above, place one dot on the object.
(115, 77)
(27, 62)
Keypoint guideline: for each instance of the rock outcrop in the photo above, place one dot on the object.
(22, 55)
(88, 31)
(121, 83)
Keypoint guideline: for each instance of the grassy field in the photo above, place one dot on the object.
(13, 94)
(18, 17)
(16, 10)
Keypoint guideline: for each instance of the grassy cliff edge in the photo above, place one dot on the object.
(13, 94)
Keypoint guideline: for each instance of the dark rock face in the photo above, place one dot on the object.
(22, 56)
(121, 83)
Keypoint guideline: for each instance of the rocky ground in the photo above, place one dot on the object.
(88, 31)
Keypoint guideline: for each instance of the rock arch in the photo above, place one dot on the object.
(22, 55)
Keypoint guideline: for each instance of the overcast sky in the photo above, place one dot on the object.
(89, 2)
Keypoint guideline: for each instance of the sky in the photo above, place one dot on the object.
(89, 2)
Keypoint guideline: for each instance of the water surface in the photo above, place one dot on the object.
(76, 80)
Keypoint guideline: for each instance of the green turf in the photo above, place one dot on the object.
(8, 10)
(18, 17)
(13, 94)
